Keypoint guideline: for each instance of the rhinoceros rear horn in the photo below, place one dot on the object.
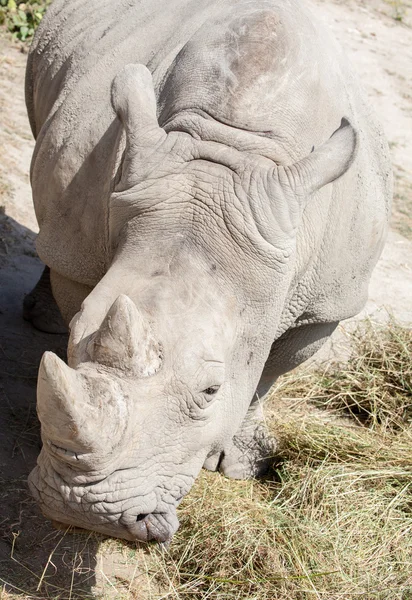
(125, 340)
(134, 101)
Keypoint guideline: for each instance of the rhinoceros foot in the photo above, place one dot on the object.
(249, 455)
(40, 308)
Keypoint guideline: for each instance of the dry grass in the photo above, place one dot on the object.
(334, 521)
(374, 387)
(325, 531)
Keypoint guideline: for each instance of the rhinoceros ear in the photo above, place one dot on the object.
(61, 405)
(125, 340)
(134, 101)
(326, 163)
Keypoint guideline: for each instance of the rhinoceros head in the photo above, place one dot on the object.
(126, 431)
(166, 352)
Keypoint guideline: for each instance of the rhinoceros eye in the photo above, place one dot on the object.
(206, 396)
(212, 390)
(64, 452)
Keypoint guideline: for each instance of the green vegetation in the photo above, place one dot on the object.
(398, 8)
(21, 17)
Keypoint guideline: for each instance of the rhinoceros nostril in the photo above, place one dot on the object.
(140, 517)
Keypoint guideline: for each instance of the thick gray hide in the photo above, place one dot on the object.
(205, 233)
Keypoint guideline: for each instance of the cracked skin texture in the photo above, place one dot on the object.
(212, 253)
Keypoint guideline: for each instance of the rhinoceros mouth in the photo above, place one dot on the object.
(148, 528)
(158, 527)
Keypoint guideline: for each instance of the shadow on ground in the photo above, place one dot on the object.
(35, 559)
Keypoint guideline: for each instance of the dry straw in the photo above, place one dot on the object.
(335, 521)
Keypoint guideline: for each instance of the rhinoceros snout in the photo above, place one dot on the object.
(141, 527)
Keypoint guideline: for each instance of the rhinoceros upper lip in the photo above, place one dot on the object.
(151, 527)
(146, 529)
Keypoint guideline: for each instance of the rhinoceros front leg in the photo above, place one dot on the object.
(250, 453)
(53, 302)
(40, 308)
(69, 295)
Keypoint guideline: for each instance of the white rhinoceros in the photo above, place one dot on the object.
(212, 193)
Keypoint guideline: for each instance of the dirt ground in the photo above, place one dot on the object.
(35, 559)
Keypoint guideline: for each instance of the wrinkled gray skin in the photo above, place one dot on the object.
(205, 233)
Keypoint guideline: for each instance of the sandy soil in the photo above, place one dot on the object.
(36, 559)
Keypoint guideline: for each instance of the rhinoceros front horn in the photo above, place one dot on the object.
(125, 340)
(61, 404)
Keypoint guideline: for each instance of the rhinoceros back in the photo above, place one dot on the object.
(294, 89)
